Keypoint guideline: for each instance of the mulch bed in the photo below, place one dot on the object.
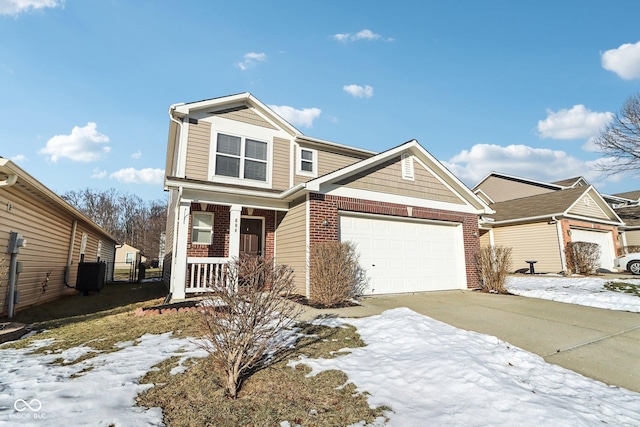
(301, 299)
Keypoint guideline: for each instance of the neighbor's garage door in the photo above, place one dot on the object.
(604, 239)
(407, 256)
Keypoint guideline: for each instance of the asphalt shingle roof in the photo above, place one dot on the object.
(539, 205)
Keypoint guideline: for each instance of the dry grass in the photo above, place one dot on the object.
(196, 397)
(273, 394)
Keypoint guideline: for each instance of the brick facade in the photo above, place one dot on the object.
(220, 245)
(324, 208)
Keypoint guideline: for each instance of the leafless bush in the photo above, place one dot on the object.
(628, 249)
(335, 274)
(494, 263)
(583, 257)
(247, 324)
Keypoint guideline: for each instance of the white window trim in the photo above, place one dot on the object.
(242, 130)
(314, 162)
(193, 227)
(129, 259)
(83, 246)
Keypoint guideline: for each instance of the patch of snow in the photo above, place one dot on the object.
(587, 291)
(427, 370)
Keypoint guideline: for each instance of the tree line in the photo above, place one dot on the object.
(125, 216)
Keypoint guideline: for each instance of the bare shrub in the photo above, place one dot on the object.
(247, 322)
(335, 274)
(583, 257)
(628, 249)
(494, 263)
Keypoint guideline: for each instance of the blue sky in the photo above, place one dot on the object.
(515, 87)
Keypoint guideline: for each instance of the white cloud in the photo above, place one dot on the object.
(19, 158)
(624, 61)
(136, 155)
(99, 174)
(359, 91)
(84, 144)
(540, 164)
(360, 35)
(304, 117)
(139, 176)
(15, 7)
(250, 60)
(576, 123)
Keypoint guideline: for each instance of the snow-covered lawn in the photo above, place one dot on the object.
(428, 372)
(588, 291)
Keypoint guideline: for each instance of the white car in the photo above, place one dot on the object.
(629, 262)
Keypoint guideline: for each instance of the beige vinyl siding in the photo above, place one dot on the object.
(281, 164)
(387, 178)
(632, 237)
(48, 232)
(327, 162)
(291, 242)
(246, 115)
(198, 143)
(485, 240)
(591, 209)
(531, 242)
(500, 189)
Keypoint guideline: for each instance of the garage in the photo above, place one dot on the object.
(401, 255)
(602, 238)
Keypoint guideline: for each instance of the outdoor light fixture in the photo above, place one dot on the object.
(325, 222)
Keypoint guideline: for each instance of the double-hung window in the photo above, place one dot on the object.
(201, 228)
(239, 157)
(307, 162)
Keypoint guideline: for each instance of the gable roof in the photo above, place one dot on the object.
(548, 205)
(630, 215)
(630, 195)
(572, 182)
(507, 177)
(422, 154)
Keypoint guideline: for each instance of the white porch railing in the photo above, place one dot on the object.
(206, 274)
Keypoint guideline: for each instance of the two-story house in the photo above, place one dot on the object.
(243, 180)
(538, 219)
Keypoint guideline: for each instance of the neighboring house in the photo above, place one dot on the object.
(127, 254)
(538, 219)
(243, 180)
(58, 238)
(631, 229)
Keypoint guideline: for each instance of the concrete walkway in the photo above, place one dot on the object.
(600, 344)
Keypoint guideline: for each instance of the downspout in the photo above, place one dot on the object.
(563, 257)
(11, 179)
(67, 268)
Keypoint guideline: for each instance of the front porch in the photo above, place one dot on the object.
(208, 236)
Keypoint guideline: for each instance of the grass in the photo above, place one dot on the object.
(627, 288)
(195, 397)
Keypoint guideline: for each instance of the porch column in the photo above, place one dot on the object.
(179, 269)
(234, 230)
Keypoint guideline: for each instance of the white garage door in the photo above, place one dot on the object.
(407, 256)
(604, 239)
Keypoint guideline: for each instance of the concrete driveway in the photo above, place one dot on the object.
(600, 344)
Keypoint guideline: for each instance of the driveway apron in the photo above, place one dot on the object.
(600, 344)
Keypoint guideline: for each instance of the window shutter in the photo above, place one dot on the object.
(407, 166)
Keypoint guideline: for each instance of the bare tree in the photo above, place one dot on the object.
(619, 141)
(494, 263)
(246, 321)
(126, 217)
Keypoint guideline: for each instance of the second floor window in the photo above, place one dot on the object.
(239, 157)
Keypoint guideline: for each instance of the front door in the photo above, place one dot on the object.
(251, 236)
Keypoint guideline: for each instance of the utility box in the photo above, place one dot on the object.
(90, 276)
